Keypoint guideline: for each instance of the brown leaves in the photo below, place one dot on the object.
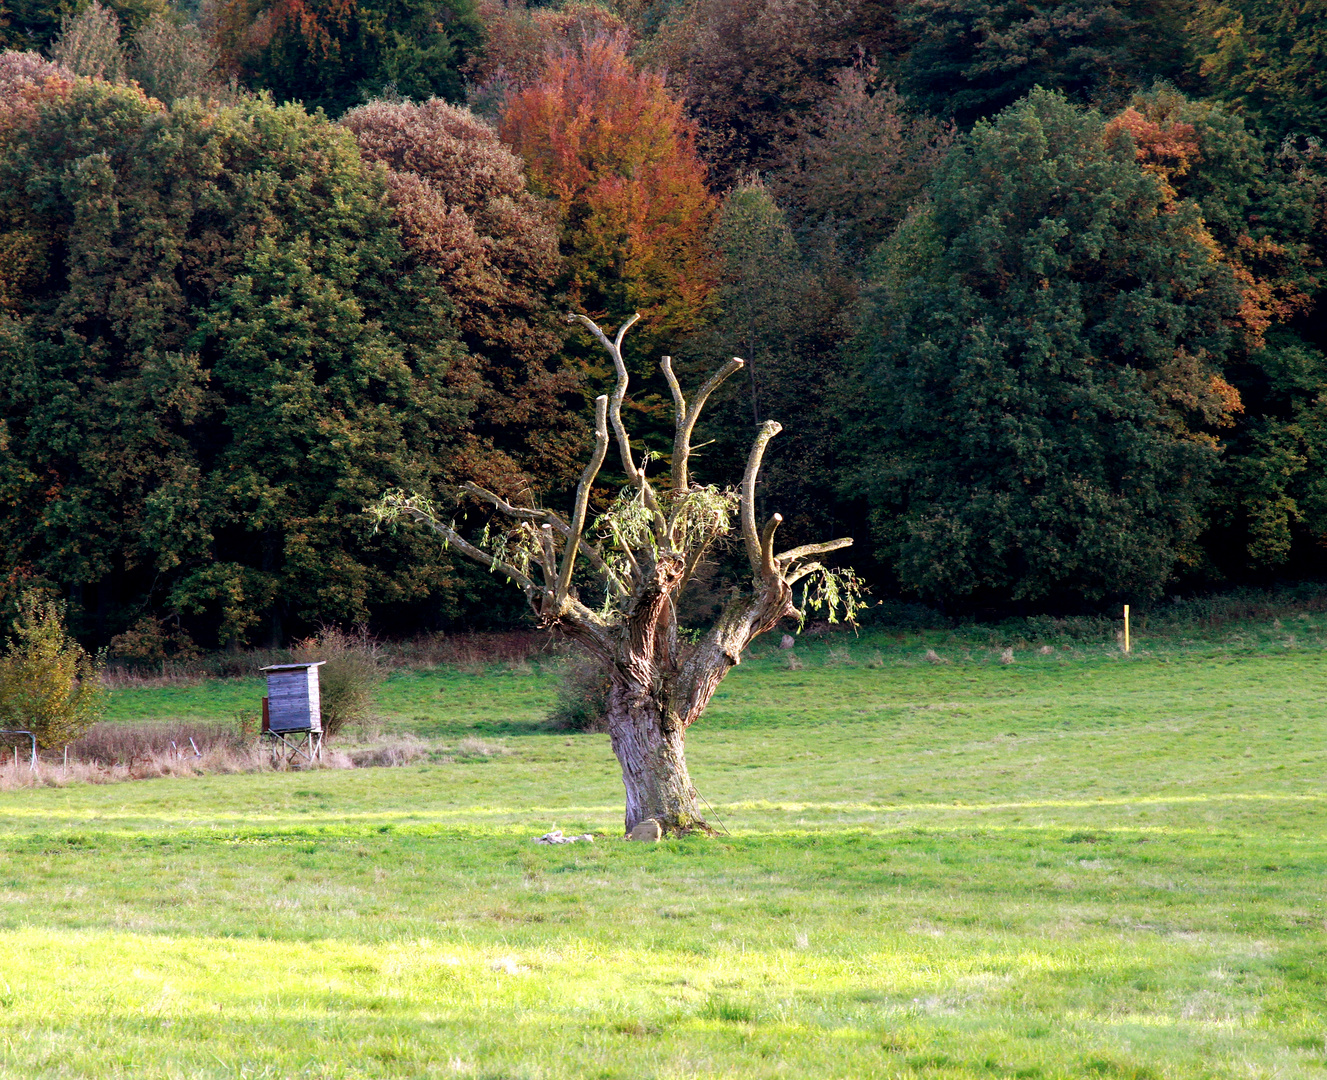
(461, 201)
(859, 158)
(748, 69)
(520, 39)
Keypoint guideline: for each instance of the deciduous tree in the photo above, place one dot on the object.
(462, 204)
(518, 39)
(1269, 58)
(748, 69)
(788, 312)
(219, 352)
(639, 555)
(859, 158)
(49, 684)
(610, 145)
(1257, 217)
(335, 54)
(1042, 369)
(35, 24)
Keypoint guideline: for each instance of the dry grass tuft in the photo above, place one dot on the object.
(402, 750)
(472, 747)
(145, 765)
(109, 744)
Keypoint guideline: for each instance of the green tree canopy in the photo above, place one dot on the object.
(35, 24)
(781, 309)
(1260, 218)
(218, 353)
(1268, 57)
(1041, 369)
(334, 55)
(971, 58)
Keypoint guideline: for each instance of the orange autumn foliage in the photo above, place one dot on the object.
(520, 38)
(1165, 150)
(1168, 148)
(612, 146)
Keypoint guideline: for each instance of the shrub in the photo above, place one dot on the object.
(350, 673)
(49, 684)
(149, 642)
(582, 697)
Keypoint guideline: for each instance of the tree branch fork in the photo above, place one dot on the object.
(644, 549)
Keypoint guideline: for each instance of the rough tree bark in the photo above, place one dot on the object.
(643, 551)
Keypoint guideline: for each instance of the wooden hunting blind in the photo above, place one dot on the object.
(293, 708)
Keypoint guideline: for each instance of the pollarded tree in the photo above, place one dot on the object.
(642, 551)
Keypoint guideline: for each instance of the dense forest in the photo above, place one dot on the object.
(1036, 291)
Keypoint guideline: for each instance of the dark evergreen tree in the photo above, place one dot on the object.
(971, 58)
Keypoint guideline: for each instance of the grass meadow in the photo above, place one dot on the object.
(1071, 865)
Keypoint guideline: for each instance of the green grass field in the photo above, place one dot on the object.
(1072, 865)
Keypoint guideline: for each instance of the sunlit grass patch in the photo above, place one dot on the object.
(1067, 866)
(950, 1001)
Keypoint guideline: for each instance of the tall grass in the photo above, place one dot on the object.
(110, 753)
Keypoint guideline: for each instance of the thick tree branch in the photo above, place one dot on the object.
(583, 494)
(767, 546)
(679, 402)
(687, 417)
(548, 561)
(802, 571)
(802, 552)
(614, 350)
(627, 553)
(768, 430)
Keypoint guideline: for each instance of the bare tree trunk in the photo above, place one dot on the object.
(650, 746)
